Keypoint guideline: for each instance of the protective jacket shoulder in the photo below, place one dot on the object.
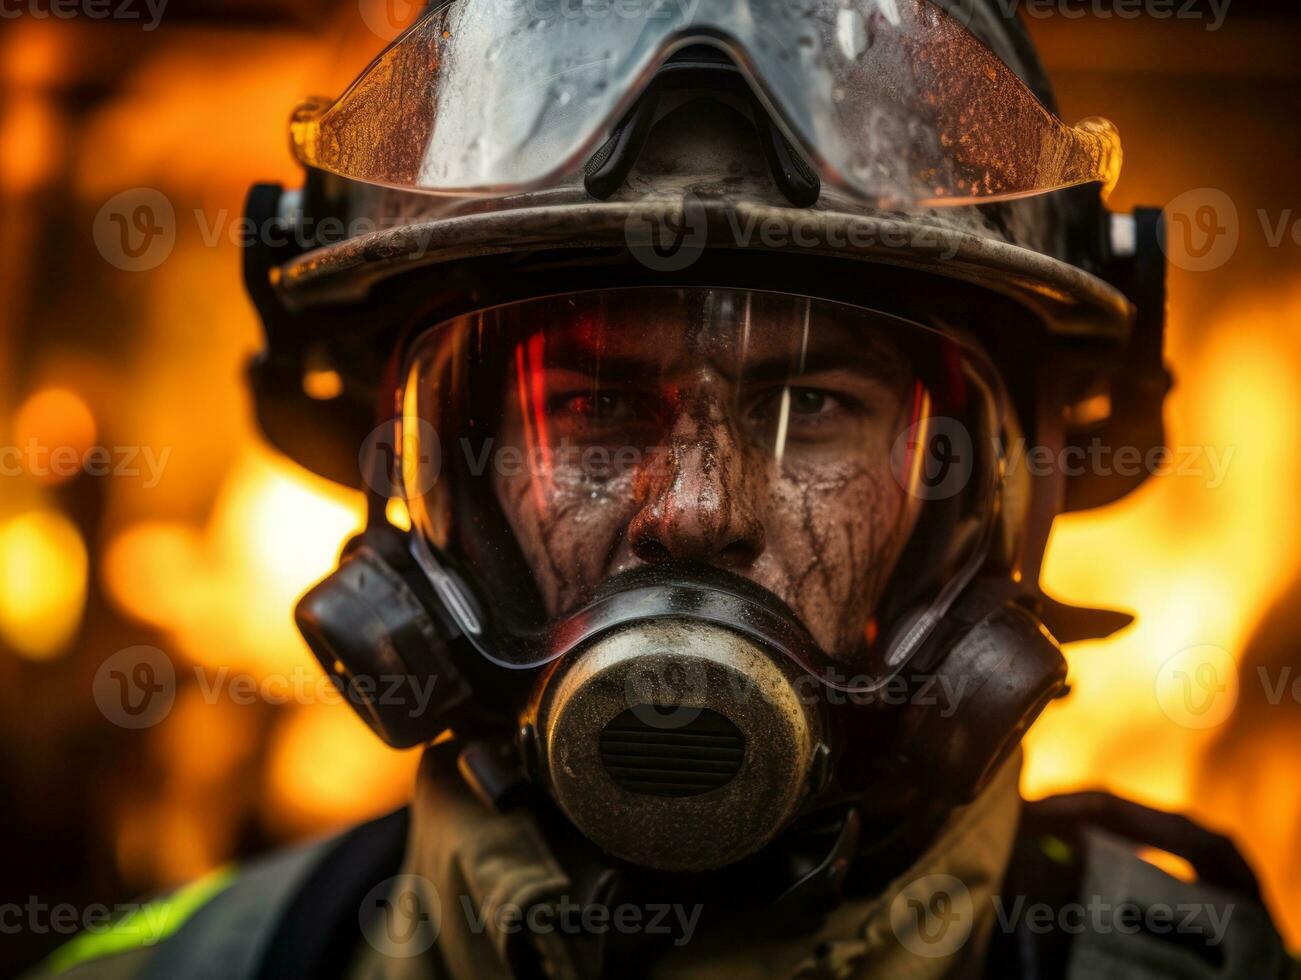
(290, 914)
(1082, 900)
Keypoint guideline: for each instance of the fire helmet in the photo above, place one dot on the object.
(701, 340)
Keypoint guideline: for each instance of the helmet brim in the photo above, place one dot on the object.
(1067, 299)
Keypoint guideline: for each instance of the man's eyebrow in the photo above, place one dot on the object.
(777, 369)
(607, 367)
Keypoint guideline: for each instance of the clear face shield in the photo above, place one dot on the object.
(842, 460)
(891, 101)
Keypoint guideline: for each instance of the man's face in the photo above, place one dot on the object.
(759, 441)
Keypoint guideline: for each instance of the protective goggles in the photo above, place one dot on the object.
(893, 102)
(843, 460)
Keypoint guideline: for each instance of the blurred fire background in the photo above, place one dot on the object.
(206, 562)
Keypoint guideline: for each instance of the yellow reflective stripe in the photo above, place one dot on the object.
(1056, 849)
(143, 926)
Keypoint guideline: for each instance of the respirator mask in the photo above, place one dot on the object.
(674, 541)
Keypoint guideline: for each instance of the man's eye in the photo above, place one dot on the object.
(806, 413)
(810, 401)
(601, 407)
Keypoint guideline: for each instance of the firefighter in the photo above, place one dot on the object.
(683, 348)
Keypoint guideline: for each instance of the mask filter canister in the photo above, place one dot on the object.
(676, 744)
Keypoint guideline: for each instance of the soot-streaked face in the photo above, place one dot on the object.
(756, 439)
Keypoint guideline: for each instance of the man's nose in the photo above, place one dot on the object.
(702, 498)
